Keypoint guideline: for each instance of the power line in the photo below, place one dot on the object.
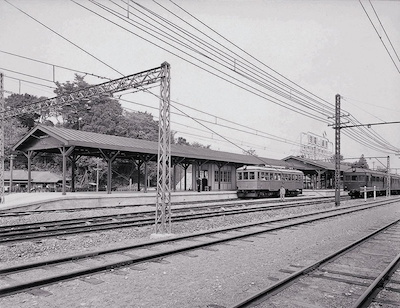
(241, 49)
(379, 36)
(54, 65)
(227, 80)
(63, 37)
(245, 86)
(248, 66)
(387, 36)
(131, 23)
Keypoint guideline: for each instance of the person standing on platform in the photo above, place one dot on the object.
(282, 192)
(198, 184)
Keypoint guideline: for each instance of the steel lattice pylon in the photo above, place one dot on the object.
(139, 80)
(163, 206)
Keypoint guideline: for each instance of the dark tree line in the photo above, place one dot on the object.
(102, 114)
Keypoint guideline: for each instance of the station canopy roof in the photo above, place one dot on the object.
(306, 164)
(50, 139)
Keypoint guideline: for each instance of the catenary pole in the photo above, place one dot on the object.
(163, 205)
(337, 150)
(139, 80)
(388, 177)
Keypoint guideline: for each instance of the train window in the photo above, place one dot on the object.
(245, 175)
(347, 178)
(354, 178)
(251, 175)
(279, 176)
(361, 177)
(271, 176)
(240, 176)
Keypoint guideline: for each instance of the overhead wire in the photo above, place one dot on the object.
(258, 133)
(231, 61)
(376, 30)
(108, 10)
(250, 88)
(71, 43)
(64, 38)
(248, 54)
(384, 30)
(54, 65)
(224, 37)
(96, 58)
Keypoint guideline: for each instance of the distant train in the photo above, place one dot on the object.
(261, 181)
(355, 180)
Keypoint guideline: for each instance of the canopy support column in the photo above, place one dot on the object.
(65, 153)
(109, 157)
(29, 155)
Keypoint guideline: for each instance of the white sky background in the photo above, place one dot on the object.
(327, 47)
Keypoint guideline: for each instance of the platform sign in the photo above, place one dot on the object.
(315, 147)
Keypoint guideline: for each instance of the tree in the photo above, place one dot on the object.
(182, 141)
(199, 145)
(332, 159)
(141, 125)
(27, 120)
(361, 163)
(104, 115)
(251, 152)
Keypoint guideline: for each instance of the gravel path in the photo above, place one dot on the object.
(203, 278)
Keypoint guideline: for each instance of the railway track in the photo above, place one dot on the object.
(22, 232)
(35, 275)
(226, 202)
(368, 269)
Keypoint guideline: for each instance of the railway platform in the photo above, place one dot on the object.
(72, 200)
(56, 200)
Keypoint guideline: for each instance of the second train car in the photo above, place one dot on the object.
(355, 180)
(261, 181)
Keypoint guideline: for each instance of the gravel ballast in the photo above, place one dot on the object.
(203, 278)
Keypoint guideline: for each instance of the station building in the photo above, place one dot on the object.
(40, 180)
(317, 174)
(192, 166)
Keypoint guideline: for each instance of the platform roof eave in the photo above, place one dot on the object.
(92, 142)
(309, 164)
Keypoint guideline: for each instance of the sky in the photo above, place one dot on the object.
(243, 93)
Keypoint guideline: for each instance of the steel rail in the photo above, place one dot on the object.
(21, 232)
(367, 297)
(51, 280)
(262, 295)
(230, 202)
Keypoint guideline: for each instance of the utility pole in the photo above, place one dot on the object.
(337, 150)
(2, 110)
(388, 177)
